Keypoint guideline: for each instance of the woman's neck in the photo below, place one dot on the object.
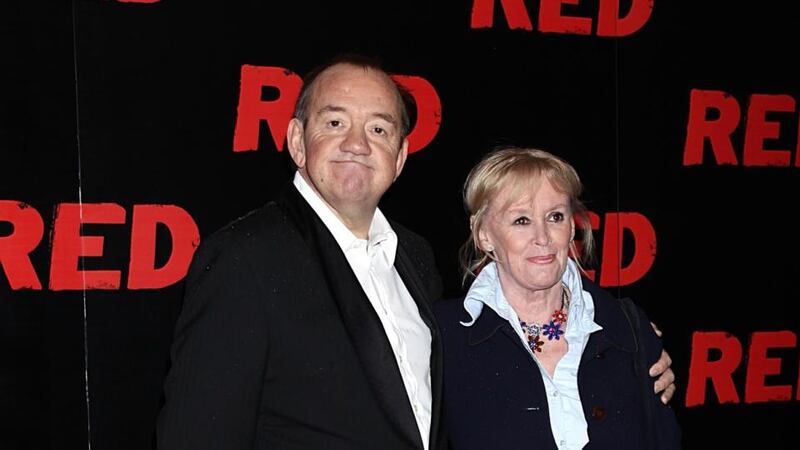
(536, 306)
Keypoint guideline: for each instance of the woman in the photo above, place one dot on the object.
(537, 356)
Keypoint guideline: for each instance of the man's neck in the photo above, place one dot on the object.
(357, 219)
(358, 223)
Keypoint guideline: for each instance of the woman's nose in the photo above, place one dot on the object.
(541, 236)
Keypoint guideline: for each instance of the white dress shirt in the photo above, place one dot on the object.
(372, 261)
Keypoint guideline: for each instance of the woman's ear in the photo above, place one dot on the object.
(484, 243)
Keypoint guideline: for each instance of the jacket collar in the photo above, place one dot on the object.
(617, 330)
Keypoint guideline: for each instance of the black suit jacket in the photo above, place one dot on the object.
(278, 347)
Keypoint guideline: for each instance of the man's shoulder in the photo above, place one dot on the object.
(406, 235)
(421, 256)
(266, 225)
(263, 219)
(417, 246)
(450, 309)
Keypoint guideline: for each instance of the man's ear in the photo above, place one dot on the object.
(401, 158)
(295, 142)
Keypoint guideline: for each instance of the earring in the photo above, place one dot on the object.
(489, 248)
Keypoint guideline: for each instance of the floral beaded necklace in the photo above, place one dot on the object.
(551, 329)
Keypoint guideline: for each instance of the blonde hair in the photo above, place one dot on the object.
(519, 169)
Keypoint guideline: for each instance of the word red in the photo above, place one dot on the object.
(757, 129)
(720, 371)
(277, 113)
(551, 19)
(68, 245)
(612, 273)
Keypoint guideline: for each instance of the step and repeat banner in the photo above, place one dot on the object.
(130, 130)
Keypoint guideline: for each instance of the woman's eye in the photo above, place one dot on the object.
(521, 221)
(557, 217)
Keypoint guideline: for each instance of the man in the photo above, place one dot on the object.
(307, 323)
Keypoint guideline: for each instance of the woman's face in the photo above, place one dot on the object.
(530, 237)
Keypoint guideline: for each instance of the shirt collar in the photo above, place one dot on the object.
(486, 291)
(483, 291)
(380, 234)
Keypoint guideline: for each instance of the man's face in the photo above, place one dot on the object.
(350, 150)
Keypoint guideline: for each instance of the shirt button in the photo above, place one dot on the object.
(562, 443)
(555, 394)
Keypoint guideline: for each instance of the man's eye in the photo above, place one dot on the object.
(379, 130)
(521, 221)
(334, 123)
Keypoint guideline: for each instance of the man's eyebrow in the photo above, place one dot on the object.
(387, 117)
(330, 108)
(333, 108)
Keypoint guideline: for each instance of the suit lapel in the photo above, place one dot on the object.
(358, 316)
(413, 282)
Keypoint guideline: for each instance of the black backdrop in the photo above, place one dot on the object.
(121, 105)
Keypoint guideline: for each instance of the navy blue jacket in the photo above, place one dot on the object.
(494, 395)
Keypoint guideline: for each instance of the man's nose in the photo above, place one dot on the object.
(356, 141)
